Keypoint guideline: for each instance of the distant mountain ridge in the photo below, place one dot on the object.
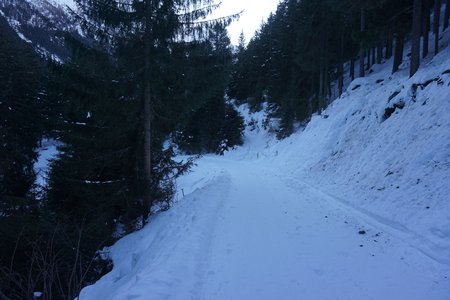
(43, 23)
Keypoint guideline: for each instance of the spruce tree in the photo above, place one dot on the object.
(415, 37)
(148, 28)
(203, 128)
(436, 20)
(301, 50)
(241, 43)
(446, 14)
(21, 96)
(426, 5)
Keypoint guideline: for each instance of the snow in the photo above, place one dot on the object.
(24, 38)
(354, 206)
(69, 3)
(46, 153)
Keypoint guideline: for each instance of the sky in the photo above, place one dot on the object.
(254, 12)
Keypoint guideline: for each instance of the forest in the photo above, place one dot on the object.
(157, 78)
(298, 59)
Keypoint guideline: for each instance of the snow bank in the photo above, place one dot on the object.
(148, 264)
(46, 153)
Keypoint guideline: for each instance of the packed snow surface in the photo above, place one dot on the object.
(354, 206)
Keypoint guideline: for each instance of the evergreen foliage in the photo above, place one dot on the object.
(296, 61)
(96, 170)
(35, 248)
(20, 122)
(148, 32)
(209, 124)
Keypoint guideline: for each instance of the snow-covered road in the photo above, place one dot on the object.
(277, 240)
(246, 232)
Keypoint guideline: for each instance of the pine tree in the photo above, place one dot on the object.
(446, 14)
(296, 56)
(401, 23)
(241, 43)
(151, 27)
(437, 18)
(96, 168)
(362, 50)
(426, 4)
(415, 37)
(203, 129)
(21, 126)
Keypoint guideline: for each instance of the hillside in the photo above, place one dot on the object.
(44, 24)
(384, 150)
(354, 206)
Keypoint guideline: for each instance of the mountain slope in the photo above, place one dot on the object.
(355, 206)
(42, 23)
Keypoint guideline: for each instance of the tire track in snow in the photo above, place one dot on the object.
(165, 260)
(279, 238)
(438, 253)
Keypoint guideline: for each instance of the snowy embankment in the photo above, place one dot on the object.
(395, 170)
(356, 206)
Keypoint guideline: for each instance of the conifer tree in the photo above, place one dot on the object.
(436, 20)
(316, 38)
(207, 127)
(415, 37)
(95, 170)
(151, 27)
(241, 43)
(21, 126)
(426, 4)
(446, 14)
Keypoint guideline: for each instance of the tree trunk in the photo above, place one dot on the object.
(425, 26)
(361, 46)
(3, 296)
(147, 201)
(398, 55)
(389, 44)
(321, 90)
(327, 88)
(352, 68)
(380, 52)
(310, 99)
(447, 13)
(341, 65)
(437, 16)
(368, 59)
(415, 38)
(373, 56)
